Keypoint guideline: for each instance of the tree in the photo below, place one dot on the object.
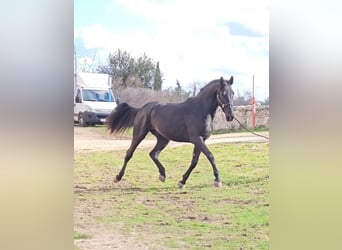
(197, 86)
(178, 89)
(120, 66)
(182, 94)
(144, 68)
(246, 99)
(128, 71)
(194, 90)
(157, 81)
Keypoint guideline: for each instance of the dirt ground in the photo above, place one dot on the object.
(90, 139)
(96, 139)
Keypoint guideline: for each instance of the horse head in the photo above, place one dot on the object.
(225, 96)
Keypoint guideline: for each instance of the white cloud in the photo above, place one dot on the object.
(192, 40)
(95, 36)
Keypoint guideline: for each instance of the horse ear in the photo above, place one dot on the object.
(222, 82)
(231, 80)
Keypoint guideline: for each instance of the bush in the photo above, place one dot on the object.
(137, 97)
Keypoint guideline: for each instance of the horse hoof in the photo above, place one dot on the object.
(218, 184)
(181, 185)
(162, 178)
(116, 179)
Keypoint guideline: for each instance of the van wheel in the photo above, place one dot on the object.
(81, 120)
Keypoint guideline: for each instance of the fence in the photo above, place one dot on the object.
(244, 115)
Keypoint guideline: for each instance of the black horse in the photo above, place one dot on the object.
(189, 121)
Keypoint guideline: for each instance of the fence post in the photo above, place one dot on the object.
(253, 107)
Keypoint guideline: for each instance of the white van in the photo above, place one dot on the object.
(93, 98)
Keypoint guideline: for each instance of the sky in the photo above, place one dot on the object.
(193, 40)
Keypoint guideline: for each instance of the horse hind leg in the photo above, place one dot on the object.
(194, 161)
(161, 144)
(138, 135)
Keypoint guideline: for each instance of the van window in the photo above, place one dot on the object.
(97, 95)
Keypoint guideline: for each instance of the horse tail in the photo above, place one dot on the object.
(121, 118)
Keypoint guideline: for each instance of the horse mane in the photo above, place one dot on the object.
(208, 86)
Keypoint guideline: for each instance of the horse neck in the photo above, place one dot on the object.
(208, 102)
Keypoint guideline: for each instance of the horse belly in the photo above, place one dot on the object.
(174, 133)
(171, 129)
(179, 138)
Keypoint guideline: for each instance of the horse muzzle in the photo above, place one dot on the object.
(229, 118)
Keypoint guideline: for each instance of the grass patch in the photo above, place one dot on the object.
(79, 236)
(200, 216)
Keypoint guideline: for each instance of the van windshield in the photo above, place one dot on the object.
(97, 95)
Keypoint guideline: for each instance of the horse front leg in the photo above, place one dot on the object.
(211, 159)
(199, 143)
